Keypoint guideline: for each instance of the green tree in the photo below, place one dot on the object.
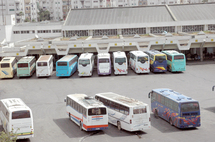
(27, 20)
(43, 15)
(8, 137)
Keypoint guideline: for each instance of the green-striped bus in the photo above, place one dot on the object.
(26, 66)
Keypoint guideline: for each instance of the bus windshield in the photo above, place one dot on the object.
(178, 57)
(97, 111)
(120, 60)
(42, 64)
(84, 62)
(139, 110)
(187, 107)
(5, 65)
(21, 114)
(62, 63)
(160, 58)
(104, 60)
(23, 65)
(142, 59)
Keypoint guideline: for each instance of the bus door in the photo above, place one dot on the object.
(142, 64)
(5, 70)
(21, 122)
(140, 117)
(160, 63)
(84, 67)
(120, 65)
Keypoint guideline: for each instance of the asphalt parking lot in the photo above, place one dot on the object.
(45, 96)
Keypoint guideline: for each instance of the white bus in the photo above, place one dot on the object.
(8, 67)
(139, 62)
(88, 113)
(86, 64)
(126, 113)
(17, 117)
(44, 66)
(103, 64)
(120, 64)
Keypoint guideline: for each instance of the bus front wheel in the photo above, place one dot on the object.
(170, 122)
(69, 116)
(118, 125)
(80, 126)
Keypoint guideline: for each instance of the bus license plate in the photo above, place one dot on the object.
(97, 128)
(190, 126)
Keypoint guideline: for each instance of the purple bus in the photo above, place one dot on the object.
(103, 64)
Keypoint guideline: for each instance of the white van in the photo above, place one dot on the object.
(44, 65)
(86, 64)
(120, 65)
(139, 62)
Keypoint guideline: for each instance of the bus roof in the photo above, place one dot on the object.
(86, 55)
(154, 52)
(138, 53)
(121, 99)
(26, 59)
(85, 100)
(44, 58)
(67, 57)
(173, 95)
(7, 59)
(14, 104)
(172, 52)
(119, 54)
(103, 55)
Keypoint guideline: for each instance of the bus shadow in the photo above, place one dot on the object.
(211, 109)
(164, 126)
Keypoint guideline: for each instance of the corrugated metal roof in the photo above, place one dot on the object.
(125, 15)
(193, 12)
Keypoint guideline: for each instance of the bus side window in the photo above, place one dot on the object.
(153, 96)
(126, 110)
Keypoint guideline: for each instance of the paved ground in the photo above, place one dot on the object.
(45, 97)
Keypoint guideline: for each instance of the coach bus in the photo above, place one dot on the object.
(139, 62)
(8, 67)
(177, 109)
(103, 64)
(88, 113)
(158, 62)
(86, 64)
(66, 66)
(44, 65)
(176, 62)
(120, 65)
(126, 113)
(16, 117)
(26, 66)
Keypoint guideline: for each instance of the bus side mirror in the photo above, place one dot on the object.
(149, 95)
(213, 88)
(65, 100)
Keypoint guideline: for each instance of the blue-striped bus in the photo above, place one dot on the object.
(26, 66)
(66, 66)
(176, 62)
(158, 62)
(178, 109)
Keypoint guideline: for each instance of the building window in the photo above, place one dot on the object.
(193, 28)
(133, 31)
(159, 30)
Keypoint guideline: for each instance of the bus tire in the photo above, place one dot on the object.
(170, 122)
(80, 126)
(119, 125)
(156, 114)
(69, 116)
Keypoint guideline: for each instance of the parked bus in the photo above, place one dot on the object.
(178, 109)
(8, 67)
(126, 113)
(88, 113)
(120, 64)
(158, 62)
(67, 65)
(103, 64)
(176, 62)
(16, 117)
(86, 64)
(26, 66)
(44, 65)
(139, 62)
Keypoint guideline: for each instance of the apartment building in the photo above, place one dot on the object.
(88, 3)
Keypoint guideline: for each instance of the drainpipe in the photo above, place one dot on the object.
(201, 50)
